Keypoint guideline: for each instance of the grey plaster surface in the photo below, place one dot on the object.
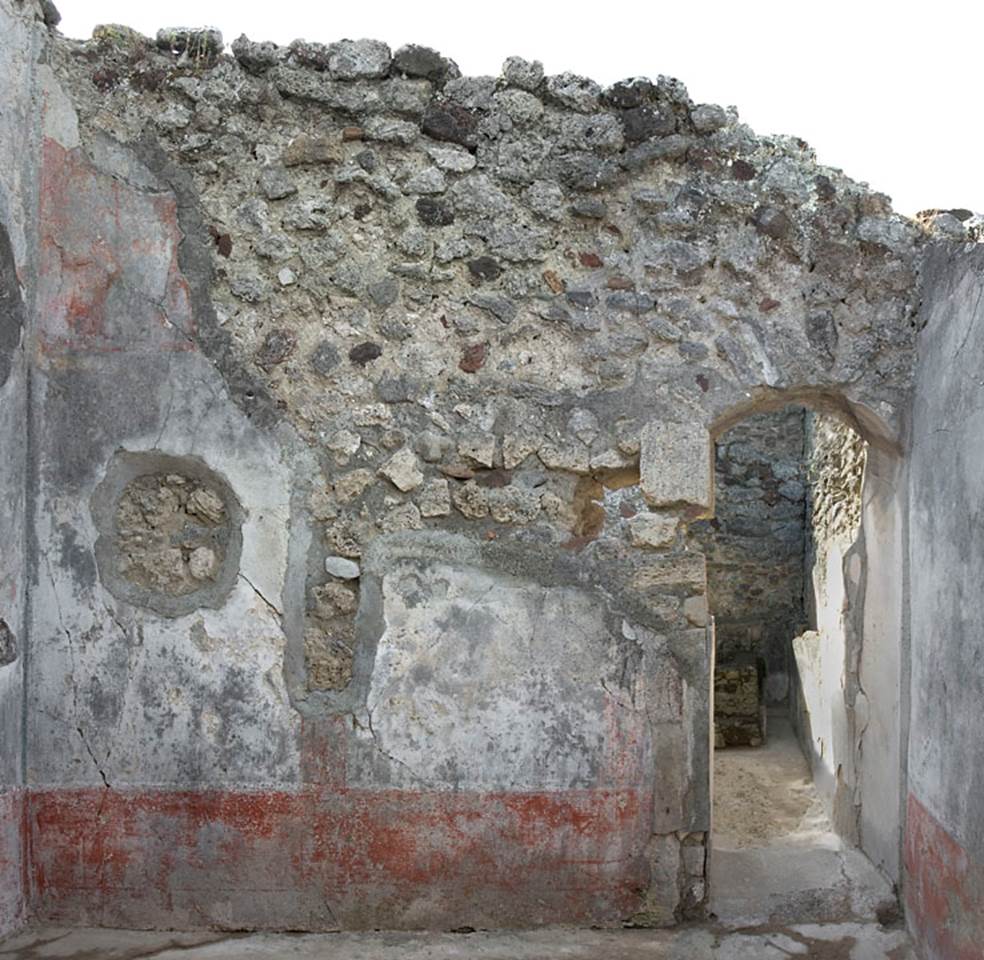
(946, 755)
(844, 941)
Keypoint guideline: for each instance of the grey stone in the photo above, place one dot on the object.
(596, 132)
(452, 158)
(585, 171)
(502, 309)
(50, 14)
(364, 353)
(546, 199)
(390, 130)
(708, 117)
(277, 346)
(276, 183)
(484, 268)
(368, 160)
(821, 331)
(12, 312)
(524, 74)
(672, 147)
(630, 94)
(472, 93)
(384, 293)
(451, 122)
(325, 358)
(892, 233)
(416, 61)
(358, 59)
(643, 123)
(401, 389)
(772, 222)
(521, 107)
(342, 568)
(631, 301)
(591, 208)
(432, 446)
(309, 54)
(574, 92)
(256, 57)
(434, 213)
(428, 181)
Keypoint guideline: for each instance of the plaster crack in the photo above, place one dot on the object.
(92, 756)
(975, 315)
(170, 404)
(113, 616)
(127, 685)
(389, 756)
(617, 700)
(270, 606)
(173, 946)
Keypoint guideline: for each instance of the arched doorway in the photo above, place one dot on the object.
(804, 571)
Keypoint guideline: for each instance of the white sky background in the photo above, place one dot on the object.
(890, 92)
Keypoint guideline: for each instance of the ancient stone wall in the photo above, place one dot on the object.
(825, 688)
(836, 457)
(371, 404)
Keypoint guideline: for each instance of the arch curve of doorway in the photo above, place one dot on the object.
(864, 797)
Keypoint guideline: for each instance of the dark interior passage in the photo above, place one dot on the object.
(757, 547)
(779, 548)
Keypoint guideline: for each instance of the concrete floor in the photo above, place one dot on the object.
(782, 886)
(827, 941)
(775, 857)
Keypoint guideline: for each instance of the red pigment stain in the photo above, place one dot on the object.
(100, 236)
(13, 858)
(379, 858)
(944, 889)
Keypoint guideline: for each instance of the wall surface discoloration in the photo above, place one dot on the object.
(944, 852)
(11, 307)
(22, 30)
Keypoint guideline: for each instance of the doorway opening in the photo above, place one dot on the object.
(782, 549)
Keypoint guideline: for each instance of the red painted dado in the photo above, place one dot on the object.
(944, 890)
(13, 860)
(323, 858)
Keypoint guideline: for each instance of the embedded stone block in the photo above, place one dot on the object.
(676, 466)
